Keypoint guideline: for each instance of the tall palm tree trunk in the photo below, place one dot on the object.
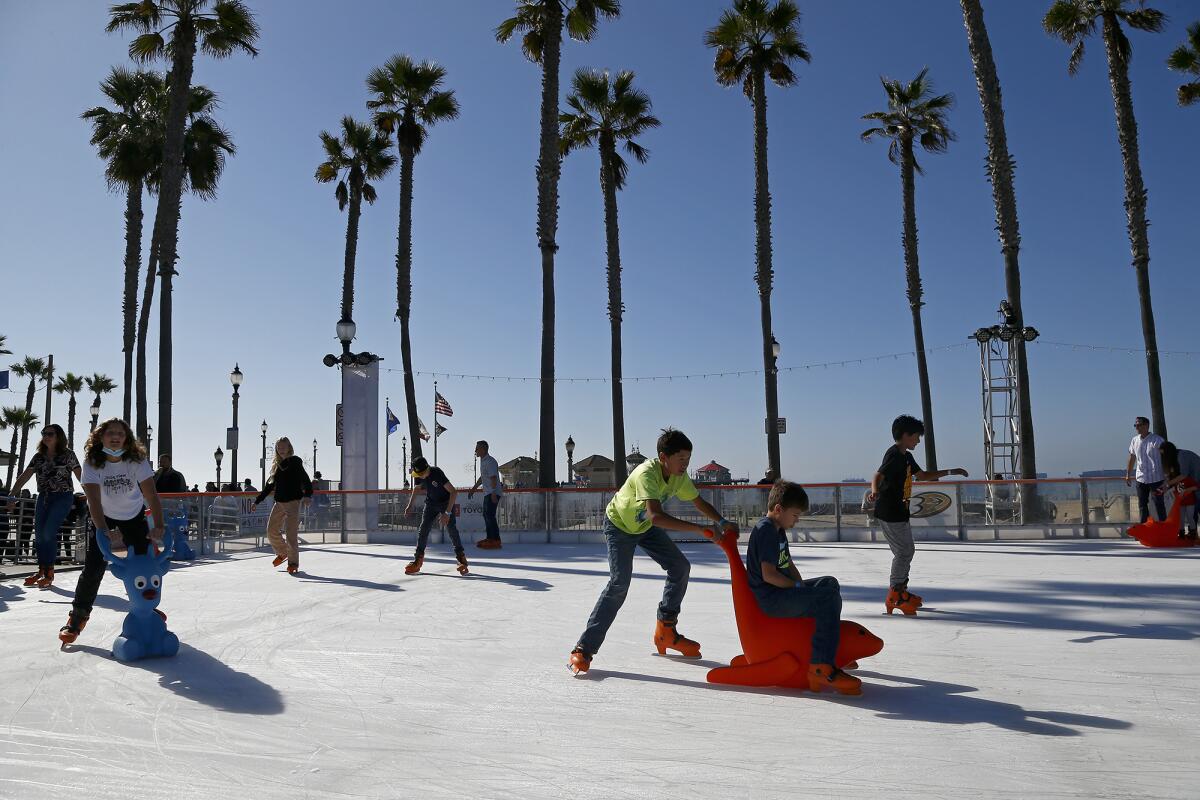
(1000, 174)
(170, 196)
(404, 295)
(12, 448)
(549, 162)
(616, 308)
(133, 262)
(912, 270)
(1135, 212)
(143, 331)
(71, 422)
(351, 252)
(25, 428)
(765, 273)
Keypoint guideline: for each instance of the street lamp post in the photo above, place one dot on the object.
(314, 457)
(772, 379)
(95, 409)
(570, 459)
(235, 378)
(264, 453)
(404, 456)
(217, 456)
(149, 440)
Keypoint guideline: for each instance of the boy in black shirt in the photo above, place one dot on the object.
(781, 592)
(891, 489)
(439, 505)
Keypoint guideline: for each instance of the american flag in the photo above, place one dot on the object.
(441, 406)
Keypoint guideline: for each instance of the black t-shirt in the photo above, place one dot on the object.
(435, 486)
(898, 468)
(169, 480)
(767, 543)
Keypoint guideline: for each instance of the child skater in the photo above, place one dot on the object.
(439, 505)
(635, 518)
(891, 489)
(290, 484)
(119, 484)
(781, 592)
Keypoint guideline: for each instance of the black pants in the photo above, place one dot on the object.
(136, 534)
(428, 515)
(1144, 491)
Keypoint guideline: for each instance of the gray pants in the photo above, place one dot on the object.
(900, 539)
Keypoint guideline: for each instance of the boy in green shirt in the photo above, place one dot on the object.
(635, 518)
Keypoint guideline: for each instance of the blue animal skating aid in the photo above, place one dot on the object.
(144, 633)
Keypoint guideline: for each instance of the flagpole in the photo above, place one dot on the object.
(387, 440)
(435, 423)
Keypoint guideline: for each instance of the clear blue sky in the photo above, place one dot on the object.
(261, 265)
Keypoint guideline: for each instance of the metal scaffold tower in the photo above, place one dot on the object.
(1001, 414)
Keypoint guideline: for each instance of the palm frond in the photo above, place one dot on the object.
(1189, 93)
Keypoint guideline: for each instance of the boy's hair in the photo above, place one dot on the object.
(673, 441)
(482, 443)
(904, 425)
(1170, 459)
(788, 495)
(1142, 420)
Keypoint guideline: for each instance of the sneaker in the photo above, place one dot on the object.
(827, 676)
(414, 566)
(667, 636)
(489, 544)
(275, 562)
(580, 661)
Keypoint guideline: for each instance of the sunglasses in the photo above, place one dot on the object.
(49, 433)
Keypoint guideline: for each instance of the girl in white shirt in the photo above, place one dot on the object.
(119, 484)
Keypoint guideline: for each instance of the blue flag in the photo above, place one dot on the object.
(392, 422)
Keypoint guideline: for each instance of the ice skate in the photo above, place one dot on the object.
(292, 568)
(579, 661)
(414, 566)
(826, 676)
(37, 576)
(47, 579)
(70, 632)
(275, 562)
(461, 557)
(488, 544)
(898, 598)
(667, 636)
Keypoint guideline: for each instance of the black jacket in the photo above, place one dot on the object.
(289, 483)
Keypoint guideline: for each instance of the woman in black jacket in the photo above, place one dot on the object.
(290, 484)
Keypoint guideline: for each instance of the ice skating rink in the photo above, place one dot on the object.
(1049, 669)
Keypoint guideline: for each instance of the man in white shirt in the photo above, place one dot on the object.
(489, 479)
(1145, 454)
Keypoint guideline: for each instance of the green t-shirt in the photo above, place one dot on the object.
(627, 509)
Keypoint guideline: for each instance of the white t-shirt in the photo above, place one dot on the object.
(489, 470)
(1147, 457)
(120, 486)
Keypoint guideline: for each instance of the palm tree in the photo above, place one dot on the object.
(755, 40)
(36, 370)
(4, 345)
(1000, 175)
(1186, 58)
(205, 146)
(606, 112)
(99, 385)
(408, 99)
(20, 420)
(360, 155)
(215, 27)
(914, 115)
(540, 23)
(71, 385)
(1073, 21)
(126, 140)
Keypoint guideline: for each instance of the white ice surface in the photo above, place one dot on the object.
(1040, 670)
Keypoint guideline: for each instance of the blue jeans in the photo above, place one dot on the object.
(819, 598)
(490, 503)
(659, 546)
(1144, 491)
(48, 515)
(430, 513)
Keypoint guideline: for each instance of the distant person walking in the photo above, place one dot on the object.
(166, 479)
(489, 479)
(291, 486)
(53, 465)
(1145, 452)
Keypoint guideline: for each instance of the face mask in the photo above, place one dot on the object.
(114, 453)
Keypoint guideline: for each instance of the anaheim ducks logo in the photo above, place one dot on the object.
(928, 504)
